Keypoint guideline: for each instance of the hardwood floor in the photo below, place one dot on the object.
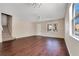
(34, 46)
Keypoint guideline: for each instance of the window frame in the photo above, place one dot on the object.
(71, 20)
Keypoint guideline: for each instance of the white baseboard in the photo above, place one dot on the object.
(49, 36)
(23, 36)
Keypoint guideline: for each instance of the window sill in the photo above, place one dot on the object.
(75, 37)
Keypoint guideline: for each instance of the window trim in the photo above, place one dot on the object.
(71, 17)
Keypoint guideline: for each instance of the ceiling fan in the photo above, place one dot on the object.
(36, 5)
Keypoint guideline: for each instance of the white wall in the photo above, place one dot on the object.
(42, 28)
(24, 29)
(38, 28)
(72, 44)
(21, 27)
(4, 20)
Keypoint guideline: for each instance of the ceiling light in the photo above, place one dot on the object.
(36, 5)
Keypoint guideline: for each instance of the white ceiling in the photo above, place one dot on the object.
(47, 11)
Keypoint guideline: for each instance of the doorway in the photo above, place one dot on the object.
(6, 21)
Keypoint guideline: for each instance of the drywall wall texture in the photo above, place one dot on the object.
(42, 28)
(72, 44)
(24, 29)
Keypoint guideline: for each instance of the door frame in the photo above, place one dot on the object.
(1, 25)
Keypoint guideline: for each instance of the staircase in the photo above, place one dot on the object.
(6, 34)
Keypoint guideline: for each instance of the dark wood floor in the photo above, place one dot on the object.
(34, 46)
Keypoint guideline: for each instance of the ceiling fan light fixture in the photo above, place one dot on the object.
(36, 5)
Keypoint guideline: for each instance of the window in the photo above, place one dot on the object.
(52, 27)
(49, 27)
(75, 20)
